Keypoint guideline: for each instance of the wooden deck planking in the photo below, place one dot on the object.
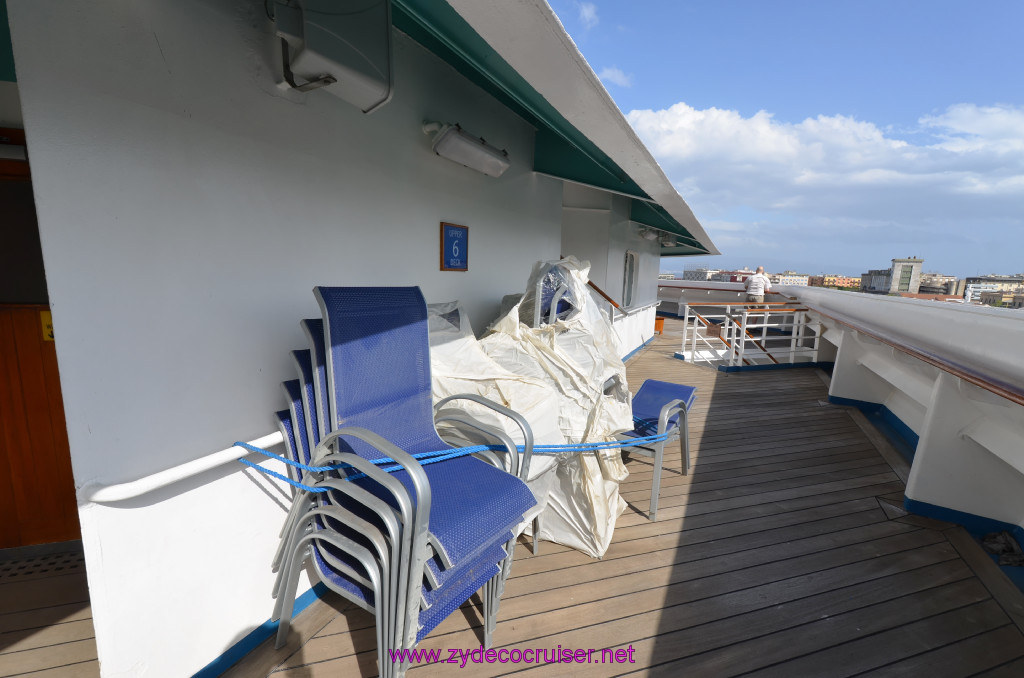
(46, 626)
(773, 555)
(783, 552)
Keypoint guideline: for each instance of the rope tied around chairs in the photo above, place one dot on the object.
(390, 466)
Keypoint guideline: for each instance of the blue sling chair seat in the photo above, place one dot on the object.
(661, 407)
(410, 546)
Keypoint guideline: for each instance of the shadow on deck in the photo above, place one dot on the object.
(784, 552)
(45, 619)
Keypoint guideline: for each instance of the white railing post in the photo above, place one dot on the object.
(803, 323)
(742, 338)
(730, 325)
(685, 308)
(794, 322)
(817, 336)
(693, 345)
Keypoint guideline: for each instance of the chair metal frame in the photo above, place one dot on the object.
(656, 451)
(374, 535)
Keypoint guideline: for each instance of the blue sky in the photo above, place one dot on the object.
(827, 136)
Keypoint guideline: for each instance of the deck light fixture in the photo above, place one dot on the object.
(457, 145)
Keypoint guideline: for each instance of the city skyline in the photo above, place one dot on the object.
(679, 264)
(825, 136)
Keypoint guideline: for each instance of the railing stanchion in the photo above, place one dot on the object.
(685, 308)
(794, 327)
(693, 345)
(817, 336)
(742, 338)
(800, 329)
(727, 331)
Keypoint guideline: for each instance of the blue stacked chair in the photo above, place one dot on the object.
(660, 407)
(412, 545)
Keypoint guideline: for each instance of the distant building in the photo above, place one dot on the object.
(791, 278)
(903, 276)
(934, 297)
(936, 283)
(733, 276)
(702, 274)
(666, 276)
(876, 281)
(1001, 298)
(976, 285)
(835, 280)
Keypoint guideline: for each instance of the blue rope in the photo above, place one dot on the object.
(380, 461)
(275, 474)
(389, 465)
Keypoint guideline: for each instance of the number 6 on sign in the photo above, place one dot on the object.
(454, 247)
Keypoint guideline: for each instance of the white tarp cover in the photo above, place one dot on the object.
(565, 378)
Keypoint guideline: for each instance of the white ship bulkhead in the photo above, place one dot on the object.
(187, 204)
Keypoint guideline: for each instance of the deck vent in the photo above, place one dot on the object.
(40, 566)
(343, 46)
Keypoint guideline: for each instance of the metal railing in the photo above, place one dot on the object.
(740, 333)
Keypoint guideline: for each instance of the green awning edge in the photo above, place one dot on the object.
(560, 150)
(553, 155)
(682, 251)
(656, 216)
(441, 30)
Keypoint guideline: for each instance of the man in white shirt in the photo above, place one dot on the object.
(758, 285)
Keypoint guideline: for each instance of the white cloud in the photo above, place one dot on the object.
(616, 77)
(833, 181)
(588, 14)
(966, 127)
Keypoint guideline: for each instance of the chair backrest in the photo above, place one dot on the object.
(314, 329)
(284, 424)
(378, 363)
(293, 394)
(304, 366)
(653, 395)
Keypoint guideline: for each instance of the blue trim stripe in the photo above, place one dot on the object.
(975, 524)
(902, 437)
(773, 366)
(636, 350)
(254, 638)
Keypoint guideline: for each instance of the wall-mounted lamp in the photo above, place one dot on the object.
(457, 145)
(668, 241)
(649, 233)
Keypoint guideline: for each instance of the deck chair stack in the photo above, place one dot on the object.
(412, 545)
(659, 408)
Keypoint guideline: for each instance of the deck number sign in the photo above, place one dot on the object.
(454, 247)
(46, 319)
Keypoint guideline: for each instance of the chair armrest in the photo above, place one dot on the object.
(667, 410)
(418, 513)
(524, 426)
(460, 417)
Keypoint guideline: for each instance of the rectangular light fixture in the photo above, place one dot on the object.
(457, 145)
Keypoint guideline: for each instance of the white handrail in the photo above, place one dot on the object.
(99, 493)
(738, 329)
(636, 309)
